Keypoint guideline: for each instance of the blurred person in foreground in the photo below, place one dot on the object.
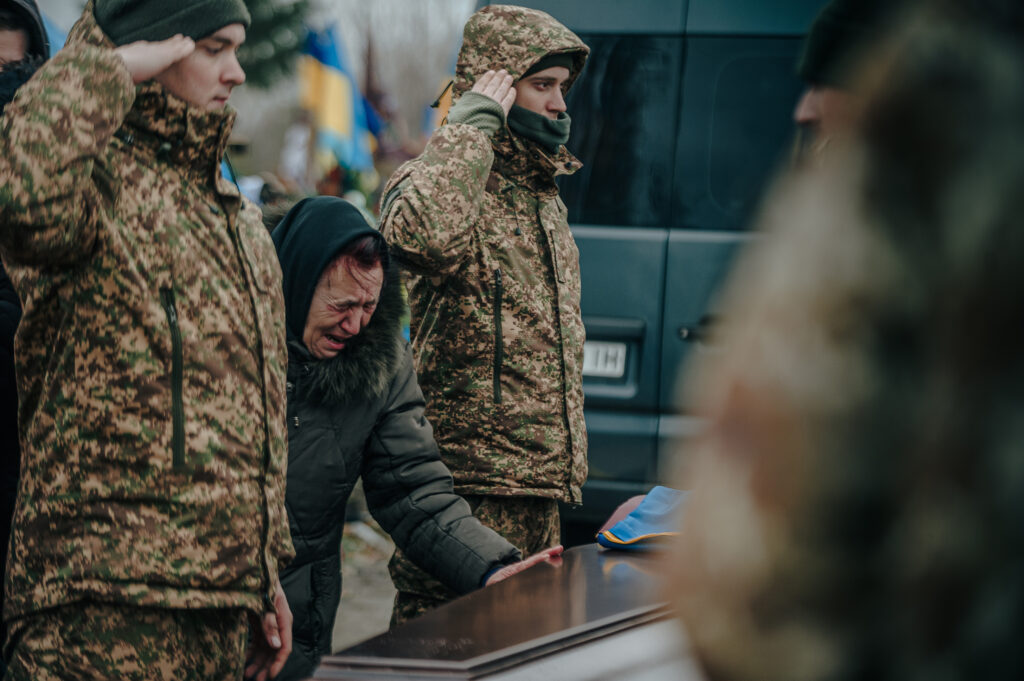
(23, 47)
(858, 499)
(843, 34)
(355, 410)
(495, 285)
(149, 522)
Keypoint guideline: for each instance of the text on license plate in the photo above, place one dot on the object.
(604, 360)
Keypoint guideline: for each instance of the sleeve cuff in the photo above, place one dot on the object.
(487, 575)
(478, 110)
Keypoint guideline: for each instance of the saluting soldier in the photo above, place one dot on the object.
(495, 284)
(150, 359)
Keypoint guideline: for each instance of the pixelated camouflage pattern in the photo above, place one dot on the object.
(531, 524)
(495, 285)
(111, 195)
(98, 641)
(513, 38)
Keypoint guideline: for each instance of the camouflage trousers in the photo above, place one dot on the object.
(531, 524)
(86, 641)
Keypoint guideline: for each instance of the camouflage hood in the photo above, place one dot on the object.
(513, 38)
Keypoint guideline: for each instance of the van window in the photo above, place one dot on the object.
(736, 127)
(747, 142)
(624, 111)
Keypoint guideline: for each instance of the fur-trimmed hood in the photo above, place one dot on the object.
(364, 369)
(308, 238)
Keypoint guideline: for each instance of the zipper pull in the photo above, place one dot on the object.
(172, 313)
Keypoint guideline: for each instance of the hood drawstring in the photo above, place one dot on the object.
(437, 102)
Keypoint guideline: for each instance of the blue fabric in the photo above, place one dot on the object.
(228, 172)
(655, 519)
(54, 34)
(349, 143)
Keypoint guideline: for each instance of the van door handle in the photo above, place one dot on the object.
(687, 333)
(702, 332)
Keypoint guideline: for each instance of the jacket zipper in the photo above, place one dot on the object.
(177, 379)
(499, 343)
(247, 268)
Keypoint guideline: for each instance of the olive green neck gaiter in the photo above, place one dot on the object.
(549, 134)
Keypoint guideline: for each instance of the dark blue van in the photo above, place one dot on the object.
(680, 118)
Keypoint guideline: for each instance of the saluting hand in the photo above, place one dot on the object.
(498, 86)
(146, 60)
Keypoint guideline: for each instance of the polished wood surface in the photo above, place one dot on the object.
(591, 594)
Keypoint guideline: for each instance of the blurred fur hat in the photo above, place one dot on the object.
(843, 32)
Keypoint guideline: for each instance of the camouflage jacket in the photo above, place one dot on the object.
(495, 283)
(151, 355)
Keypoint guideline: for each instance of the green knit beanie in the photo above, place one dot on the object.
(565, 59)
(126, 21)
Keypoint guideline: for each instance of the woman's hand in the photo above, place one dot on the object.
(552, 555)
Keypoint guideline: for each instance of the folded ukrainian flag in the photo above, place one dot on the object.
(655, 519)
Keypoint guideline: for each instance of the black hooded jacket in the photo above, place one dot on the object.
(360, 414)
(11, 78)
(38, 41)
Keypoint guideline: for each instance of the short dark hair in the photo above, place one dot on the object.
(367, 251)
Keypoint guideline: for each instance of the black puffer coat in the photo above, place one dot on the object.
(361, 413)
(11, 78)
(10, 315)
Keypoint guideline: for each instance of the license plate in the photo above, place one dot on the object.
(604, 360)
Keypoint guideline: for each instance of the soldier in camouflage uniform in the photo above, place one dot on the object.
(150, 359)
(858, 499)
(495, 284)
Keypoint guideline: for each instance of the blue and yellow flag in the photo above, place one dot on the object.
(435, 114)
(329, 91)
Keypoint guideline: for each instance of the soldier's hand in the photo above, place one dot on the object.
(552, 555)
(498, 86)
(146, 60)
(271, 640)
